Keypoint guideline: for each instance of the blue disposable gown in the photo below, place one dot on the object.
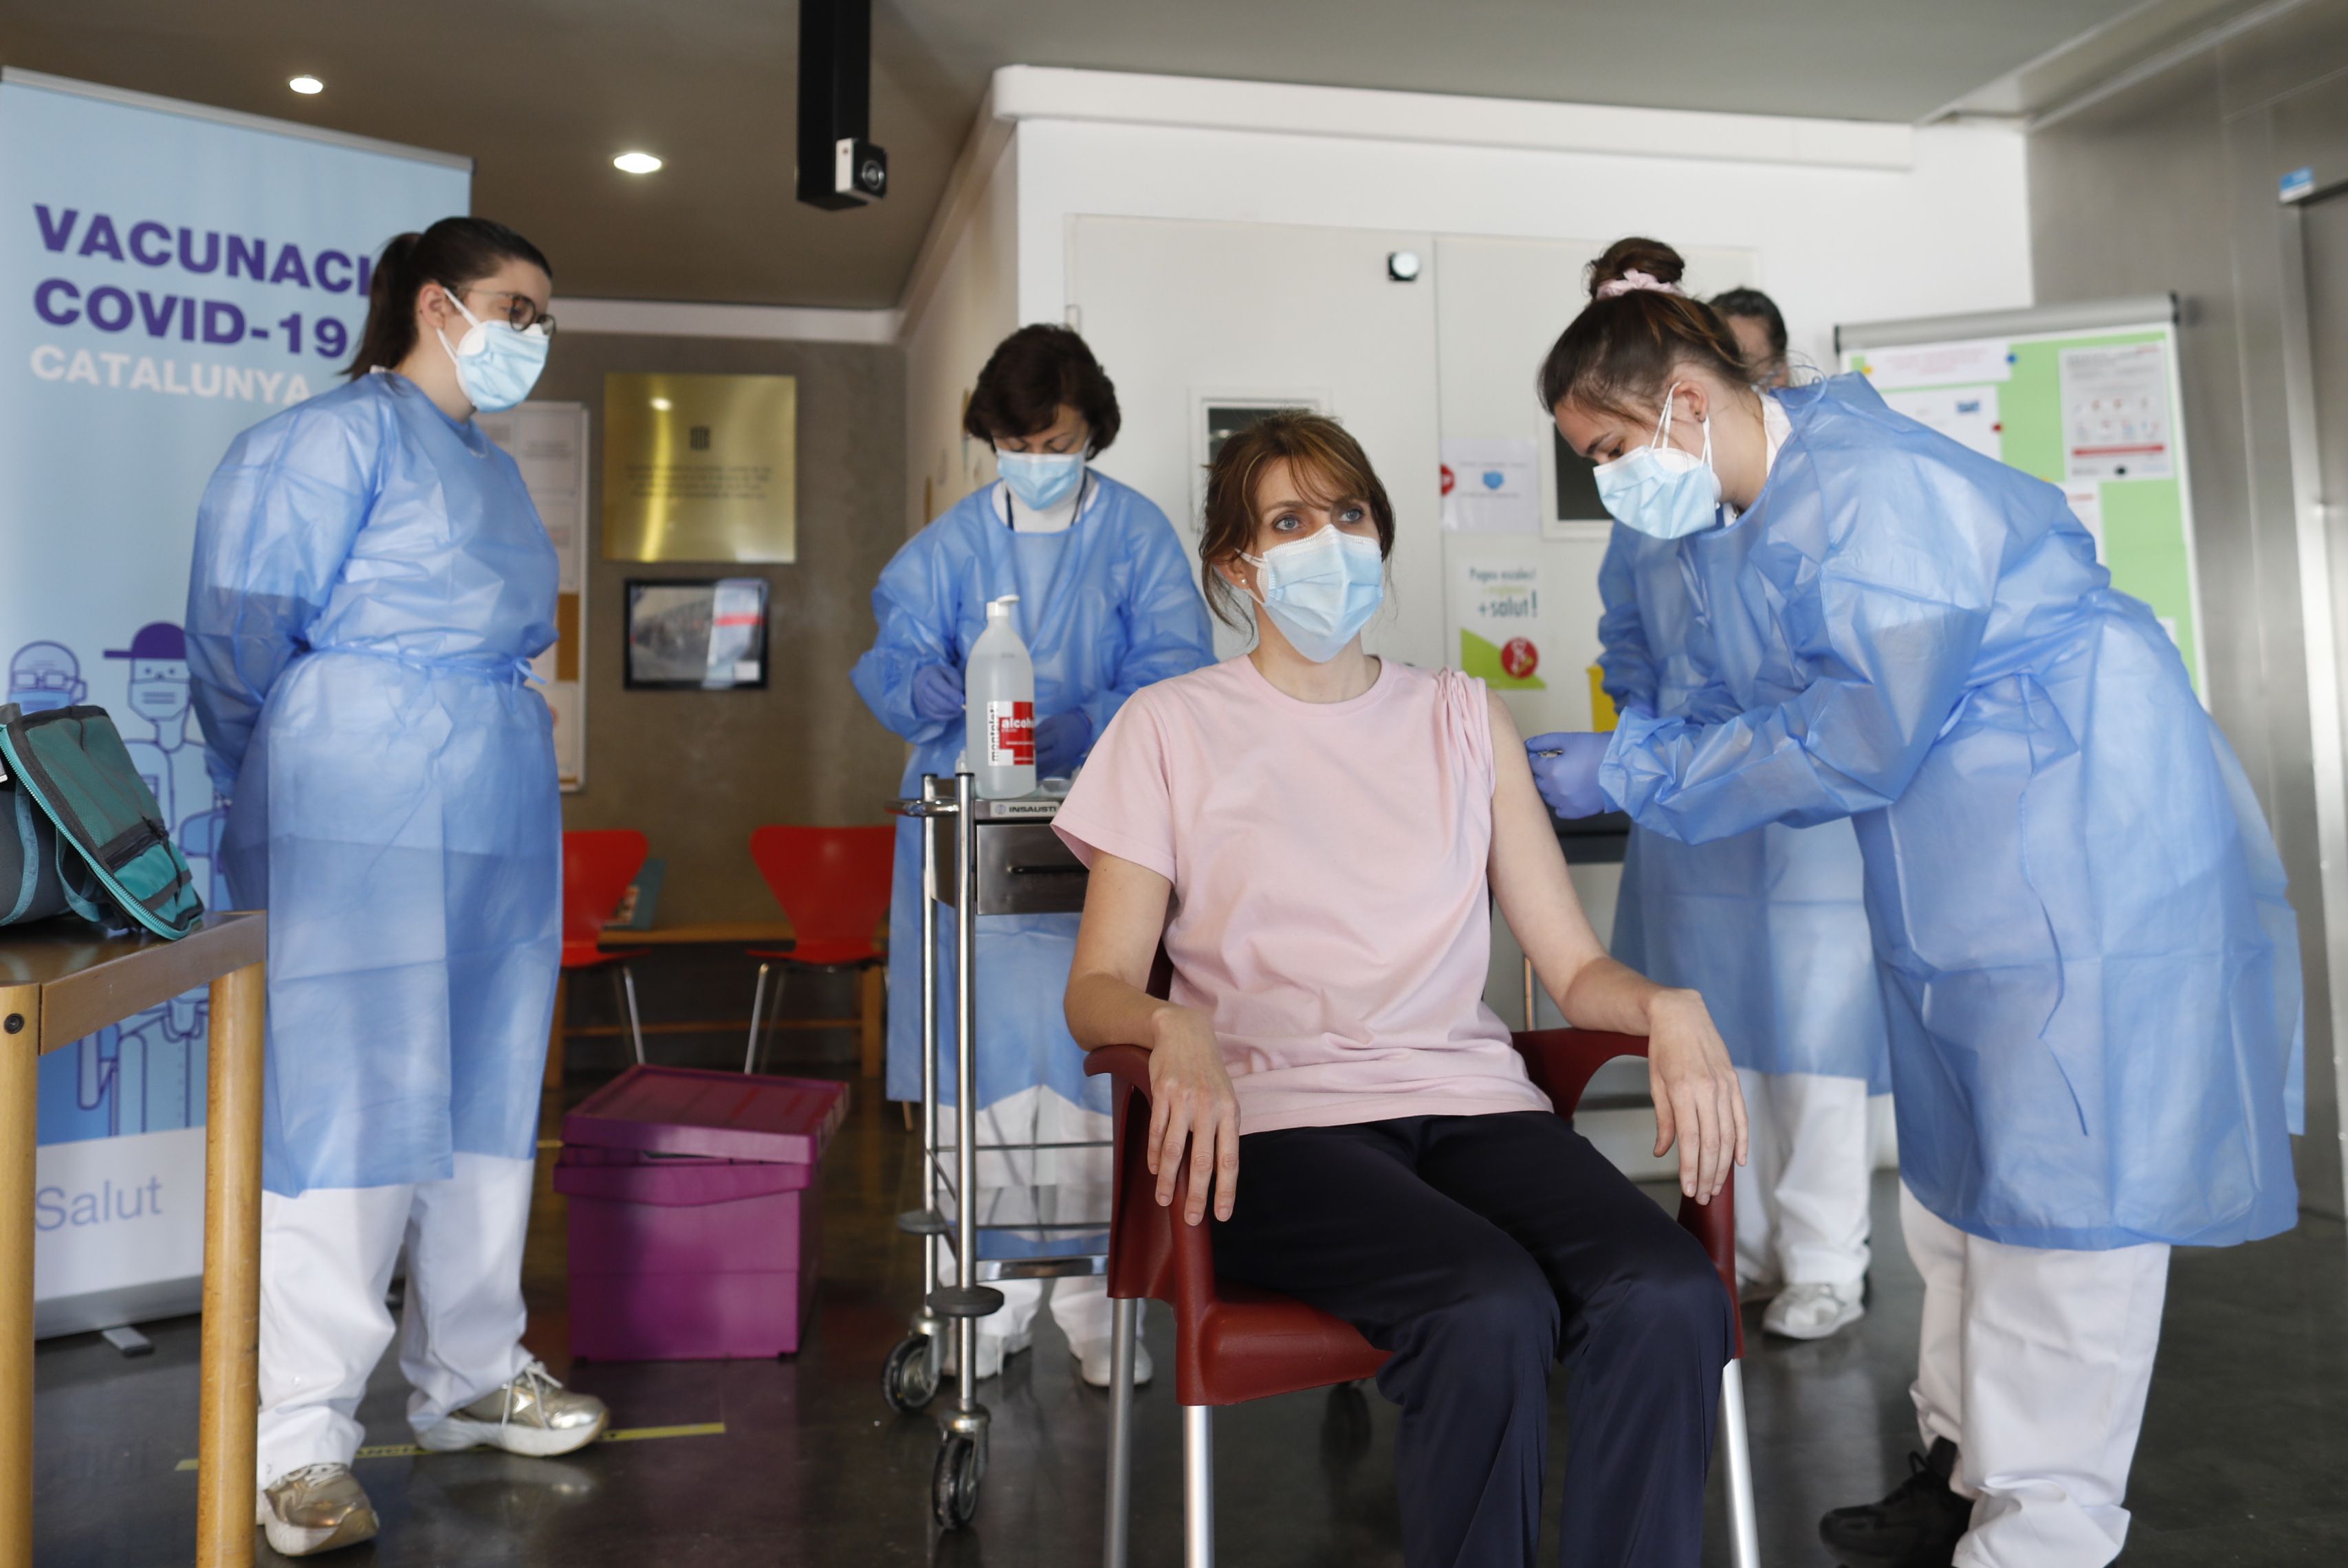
(1770, 926)
(370, 578)
(1106, 608)
(2091, 973)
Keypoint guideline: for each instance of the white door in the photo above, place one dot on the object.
(1196, 323)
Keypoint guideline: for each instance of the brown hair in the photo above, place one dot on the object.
(1327, 459)
(1029, 375)
(1618, 355)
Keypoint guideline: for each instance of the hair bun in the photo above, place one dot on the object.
(1651, 257)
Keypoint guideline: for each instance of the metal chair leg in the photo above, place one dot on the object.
(1125, 1326)
(1197, 1486)
(757, 1010)
(1744, 1527)
(635, 1024)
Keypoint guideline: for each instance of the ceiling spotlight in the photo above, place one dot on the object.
(1402, 266)
(306, 85)
(635, 163)
(663, 405)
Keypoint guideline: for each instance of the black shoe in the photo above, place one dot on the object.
(1917, 1526)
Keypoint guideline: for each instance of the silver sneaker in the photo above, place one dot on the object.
(1815, 1311)
(317, 1508)
(532, 1415)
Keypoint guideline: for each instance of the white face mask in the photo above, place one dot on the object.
(496, 363)
(1659, 490)
(1320, 590)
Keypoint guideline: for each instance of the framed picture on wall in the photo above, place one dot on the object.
(703, 635)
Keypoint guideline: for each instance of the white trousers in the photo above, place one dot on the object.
(1801, 1202)
(1046, 1184)
(326, 1260)
(2034, 1362)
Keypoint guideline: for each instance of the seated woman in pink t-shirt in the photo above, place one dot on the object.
(1314, 833)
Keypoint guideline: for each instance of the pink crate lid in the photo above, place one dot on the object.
(729, 1115)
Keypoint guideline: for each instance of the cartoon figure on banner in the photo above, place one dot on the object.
(156, 1067)
(44, 676)
(172, 757)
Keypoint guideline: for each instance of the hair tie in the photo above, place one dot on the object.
(1634, 280)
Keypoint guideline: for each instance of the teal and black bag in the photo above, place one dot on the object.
(80, 831)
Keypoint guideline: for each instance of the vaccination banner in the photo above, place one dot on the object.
(169, 275)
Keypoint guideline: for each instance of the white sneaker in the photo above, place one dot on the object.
(994, 1350)
(317, 1508)
(1815, 1311)
(532, 1415)
(1095, 1362)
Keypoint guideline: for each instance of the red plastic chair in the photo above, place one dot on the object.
(1234, 1343)
(833, 884)
(597, 868)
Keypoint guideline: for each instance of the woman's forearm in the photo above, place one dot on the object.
(1607, 995)
(1104, 1009)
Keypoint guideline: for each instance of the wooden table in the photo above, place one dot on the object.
(57, 983)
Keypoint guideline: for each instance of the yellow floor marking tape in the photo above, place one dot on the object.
(618, 1435)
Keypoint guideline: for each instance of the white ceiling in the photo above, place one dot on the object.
(543, 92)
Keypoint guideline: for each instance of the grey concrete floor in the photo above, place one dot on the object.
(2244, 1455)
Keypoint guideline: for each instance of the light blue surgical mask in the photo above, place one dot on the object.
(1041, 480)
(1320, 590)
(1659, 490)
(496, 363)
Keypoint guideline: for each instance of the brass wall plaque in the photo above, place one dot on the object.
(700, 469)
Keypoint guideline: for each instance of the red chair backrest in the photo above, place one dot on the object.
(833, 882)
(597, 868)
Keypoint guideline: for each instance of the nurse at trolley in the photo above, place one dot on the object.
(1106, 607)
(2088, 967)
(370, 581)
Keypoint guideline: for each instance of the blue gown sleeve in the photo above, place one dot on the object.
(1166, 631)
(276, 524)
(1891, 621)
(1626, 665)
(915, 603)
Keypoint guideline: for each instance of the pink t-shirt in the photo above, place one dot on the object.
(1329, 907)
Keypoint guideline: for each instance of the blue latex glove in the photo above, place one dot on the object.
(1060, 743)
(1569, 781)
(937, 693)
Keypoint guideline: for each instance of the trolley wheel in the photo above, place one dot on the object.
(908, 1380)
(954, 1486)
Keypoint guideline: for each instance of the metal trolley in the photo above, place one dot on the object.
(978, 857)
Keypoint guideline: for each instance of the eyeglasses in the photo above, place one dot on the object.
(520, 310)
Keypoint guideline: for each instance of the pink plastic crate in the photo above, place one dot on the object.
(695, 1235)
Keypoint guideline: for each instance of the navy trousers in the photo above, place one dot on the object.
(1479, 1250)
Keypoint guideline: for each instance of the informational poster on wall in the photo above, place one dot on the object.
(548, 441)
(1521, 623)
(168, 276)
(2092, 408)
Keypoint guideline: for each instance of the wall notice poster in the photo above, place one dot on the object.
(1496, 602)
(2115, 413)
(1491, 486)
(548, 441)
(169, 275)
(2091, 410)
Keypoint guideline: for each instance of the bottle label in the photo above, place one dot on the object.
(1011, 734)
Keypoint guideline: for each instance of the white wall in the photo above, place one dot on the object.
(1949, 233)
(965, 303)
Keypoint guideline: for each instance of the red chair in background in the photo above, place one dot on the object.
(597, 868)
(1234, 1343)
(833, 884)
